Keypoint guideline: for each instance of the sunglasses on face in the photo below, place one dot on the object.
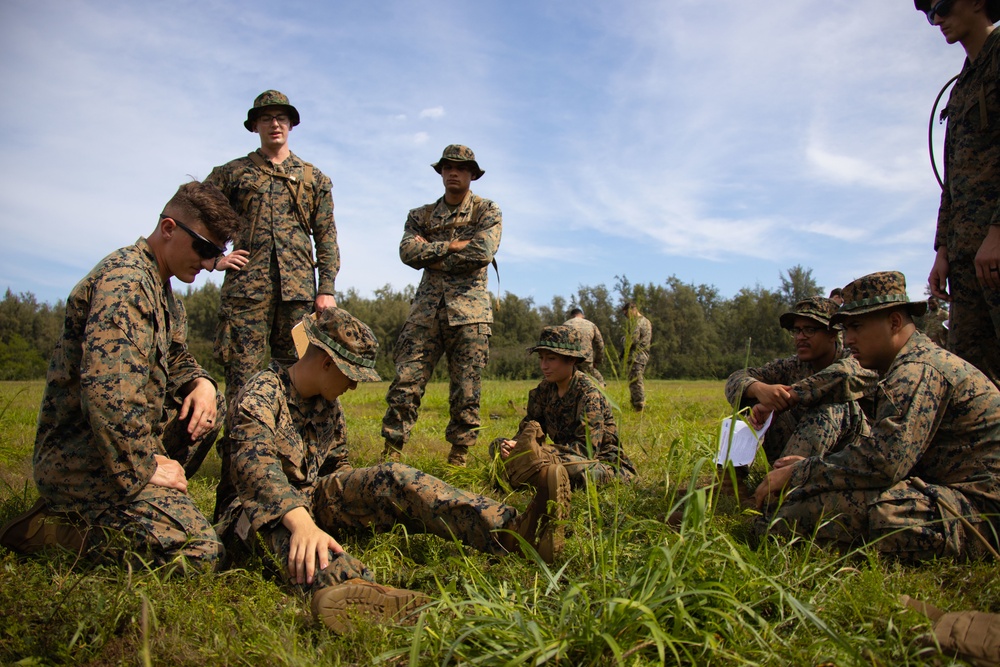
(939, 9)
(205, 248)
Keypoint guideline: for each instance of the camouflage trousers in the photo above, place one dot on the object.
(177, 441)
(582, 471)
(247, 327)
(377, 498)
(588, 368)
(902, 522)
(158, 525)
(815, 431)
(974, 327)
(636, 385)
(417, 352)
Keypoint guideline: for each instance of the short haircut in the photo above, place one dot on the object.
(836, 291)
(575, 312)
(196, 201)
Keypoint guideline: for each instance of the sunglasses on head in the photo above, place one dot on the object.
(205, 248)
(939, 9)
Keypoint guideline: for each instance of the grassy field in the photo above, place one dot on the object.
(628, 590)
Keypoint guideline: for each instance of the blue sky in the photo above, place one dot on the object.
(720, 142)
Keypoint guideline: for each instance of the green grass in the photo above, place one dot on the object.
(627, 591)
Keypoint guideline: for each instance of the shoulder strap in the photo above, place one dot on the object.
(294, 184)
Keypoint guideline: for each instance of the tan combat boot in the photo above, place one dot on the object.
(39, 529)
(527, 459)
(335, 605)
(457, 455)
(542, 524)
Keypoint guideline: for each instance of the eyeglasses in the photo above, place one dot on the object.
(267, 118)
(941, 9)
(808, 332)
(205, 248)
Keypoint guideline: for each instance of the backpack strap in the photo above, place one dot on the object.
(294, 184)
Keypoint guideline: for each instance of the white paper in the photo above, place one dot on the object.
(743, 447)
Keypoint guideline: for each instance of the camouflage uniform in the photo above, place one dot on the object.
(970, 203)
(291, 452)
(593, 346)
(803, 430)
(937, 418)
(569, 421)
(451, 314)
(283, 212)
(641, 340)
(111, 394)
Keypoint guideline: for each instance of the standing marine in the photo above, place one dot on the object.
(453, 241)
(635, 345)
(592, 342)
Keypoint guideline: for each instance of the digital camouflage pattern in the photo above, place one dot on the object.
(568, 421)
(451, 314)
(639, 338)
(802, 430)
(459, 153)
(281, 218)
(112, 390)
(291, 452)
(937, 418)
(970, 203)
(270, 98)
(593, 346)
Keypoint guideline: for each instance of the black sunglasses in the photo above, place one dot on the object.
(939, 9)
(205, 248)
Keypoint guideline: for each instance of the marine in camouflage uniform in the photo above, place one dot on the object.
(575, 415)
(285, 204)
(967, 240)
(289, 447)
(592, 342)
(801, 430)
(636, 343)
(934, 442)
(453, 241)
(110, 447)
(933, 324)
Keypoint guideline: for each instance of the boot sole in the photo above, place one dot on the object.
(336, 605)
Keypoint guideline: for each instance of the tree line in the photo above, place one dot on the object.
(696, 332)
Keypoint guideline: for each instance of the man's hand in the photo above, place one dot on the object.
(758, 415)
(235, 260)
(988, 259)
(458, 246)
(786, 461)
(169, 474)
(200, 403)
(775, 397)
(506, 447)
(938, 279)
(324, 301)
(309, 547)
(772, 485)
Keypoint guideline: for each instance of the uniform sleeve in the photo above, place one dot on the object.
(419, 254)
(773, 372)
(119, 350)
(182, 367)
(535, 412)
(482, 246)
(590, 423)
(598, 345)
(325, 237)
(908, 415)
(260, 447)
(843, 380)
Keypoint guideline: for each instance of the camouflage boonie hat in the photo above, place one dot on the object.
(348, 341)
(877, 291)
(459, 153)
(270, 98)
(817, 308)
(561, 340)
(992, 8)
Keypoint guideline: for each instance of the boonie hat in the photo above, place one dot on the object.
(459, 153)
(817, 308)
(270, 98)
(992, 7)
(348, 341)
(561, 340)
(877, 291)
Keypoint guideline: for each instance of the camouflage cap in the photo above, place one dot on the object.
(459, 153)
(877, 291)
(348, 341)
(561, 340)
(817, 308)
(270, 98)
(992, 8)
